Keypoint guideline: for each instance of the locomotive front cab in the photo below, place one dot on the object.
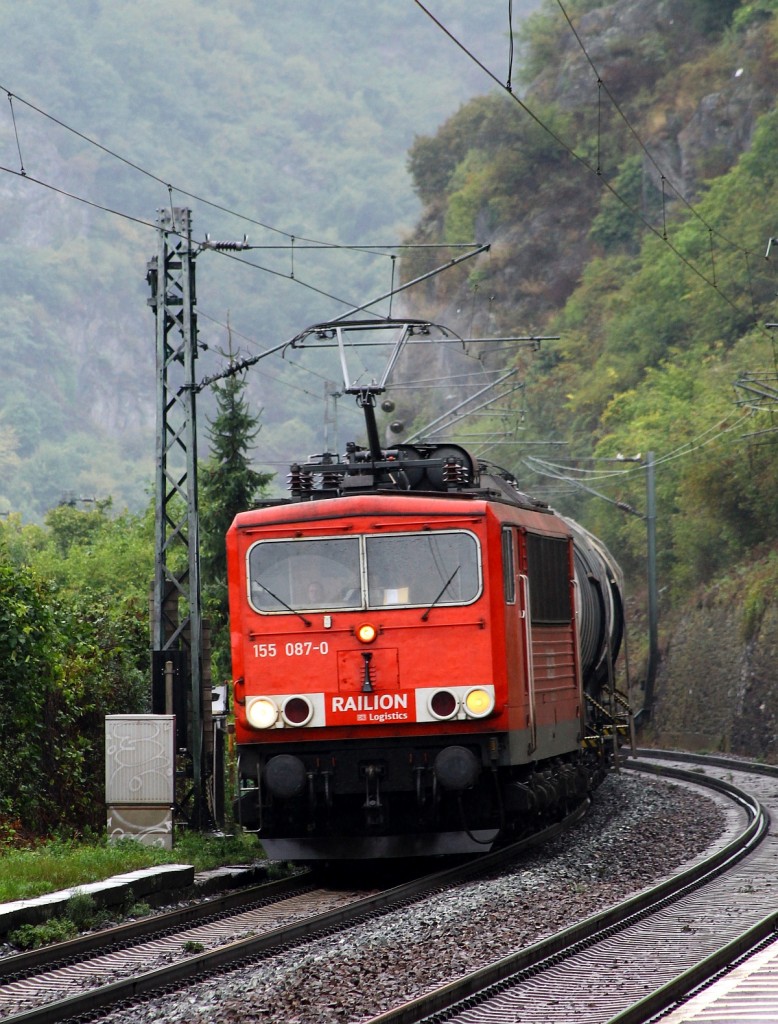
(405, 643)
(365, 679)
(408, 673)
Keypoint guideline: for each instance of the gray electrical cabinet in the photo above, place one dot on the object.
(140, 777)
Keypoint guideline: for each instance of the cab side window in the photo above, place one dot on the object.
(508, 566)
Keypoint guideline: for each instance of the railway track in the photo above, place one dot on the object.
(644, 955)
(93, 973)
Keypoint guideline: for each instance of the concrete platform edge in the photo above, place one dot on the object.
(157, 885)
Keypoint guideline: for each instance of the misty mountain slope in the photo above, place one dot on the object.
(296, 117)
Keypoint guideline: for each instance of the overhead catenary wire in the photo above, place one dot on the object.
(294, 239)
(241, 365)
(79, 199)
(134, 165)
(587, 165)
(16, 134)
(252, 341)
(318, 244)
(228, 255)
(149, 224)
(602, 86)
(535, 465)
(509, 80)
(326, 244)
(558, 471)
(310, 243)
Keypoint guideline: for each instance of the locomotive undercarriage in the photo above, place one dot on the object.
(435, 797)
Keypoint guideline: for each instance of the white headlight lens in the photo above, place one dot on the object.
(261, 712)
(479, 703)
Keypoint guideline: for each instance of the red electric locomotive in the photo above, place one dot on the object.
(420, 653)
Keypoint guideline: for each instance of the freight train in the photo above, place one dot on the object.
(423, 657)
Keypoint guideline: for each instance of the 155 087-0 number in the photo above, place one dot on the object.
(296, 649)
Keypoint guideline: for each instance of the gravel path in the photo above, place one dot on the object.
(636, 831)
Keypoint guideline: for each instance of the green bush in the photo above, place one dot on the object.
(33, 936)
(80, 910)
(753, 11)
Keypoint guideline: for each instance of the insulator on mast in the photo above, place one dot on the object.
(226, 246)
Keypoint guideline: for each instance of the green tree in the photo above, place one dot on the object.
(73, 648)
(228, 485)
(28, 669)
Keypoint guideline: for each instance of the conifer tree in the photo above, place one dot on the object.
(228, 485)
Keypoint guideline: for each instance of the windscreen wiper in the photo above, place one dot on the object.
(426, 614)
(282, 602)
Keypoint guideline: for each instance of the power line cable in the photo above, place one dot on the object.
(294, 239)
(313, 243)
(602, 85)
(509, 82)
(148, 224)
(529, 460)
(155, 177)
(561, 472)
(16, 133)
(662, 235)
(256, 345)
(79, 199)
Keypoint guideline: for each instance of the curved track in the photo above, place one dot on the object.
(639, 957)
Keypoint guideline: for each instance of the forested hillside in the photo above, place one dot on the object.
(284, 120)
(626, 186)
(629, 202)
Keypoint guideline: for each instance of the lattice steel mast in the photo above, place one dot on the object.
(177, 607)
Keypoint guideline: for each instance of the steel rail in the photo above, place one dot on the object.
(174, 975)
(479, 985)
(700, 974)
(20, 965)
(714, 760)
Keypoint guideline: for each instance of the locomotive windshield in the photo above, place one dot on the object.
(422, 568)
(393, 570)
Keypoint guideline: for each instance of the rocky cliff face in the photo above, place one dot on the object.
(693, 102)
(718, 680)
(693, 96)
(705, 99)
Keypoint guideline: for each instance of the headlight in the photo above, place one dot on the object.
(261, 712)
(366, 633)
(478, 703)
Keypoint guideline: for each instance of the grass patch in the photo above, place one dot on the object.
(66, 864)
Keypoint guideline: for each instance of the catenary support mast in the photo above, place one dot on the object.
(177, 628)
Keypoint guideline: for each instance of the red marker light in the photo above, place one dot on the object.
(297, 711)
(443, 705)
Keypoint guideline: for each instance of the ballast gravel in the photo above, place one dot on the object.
(636, 832)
